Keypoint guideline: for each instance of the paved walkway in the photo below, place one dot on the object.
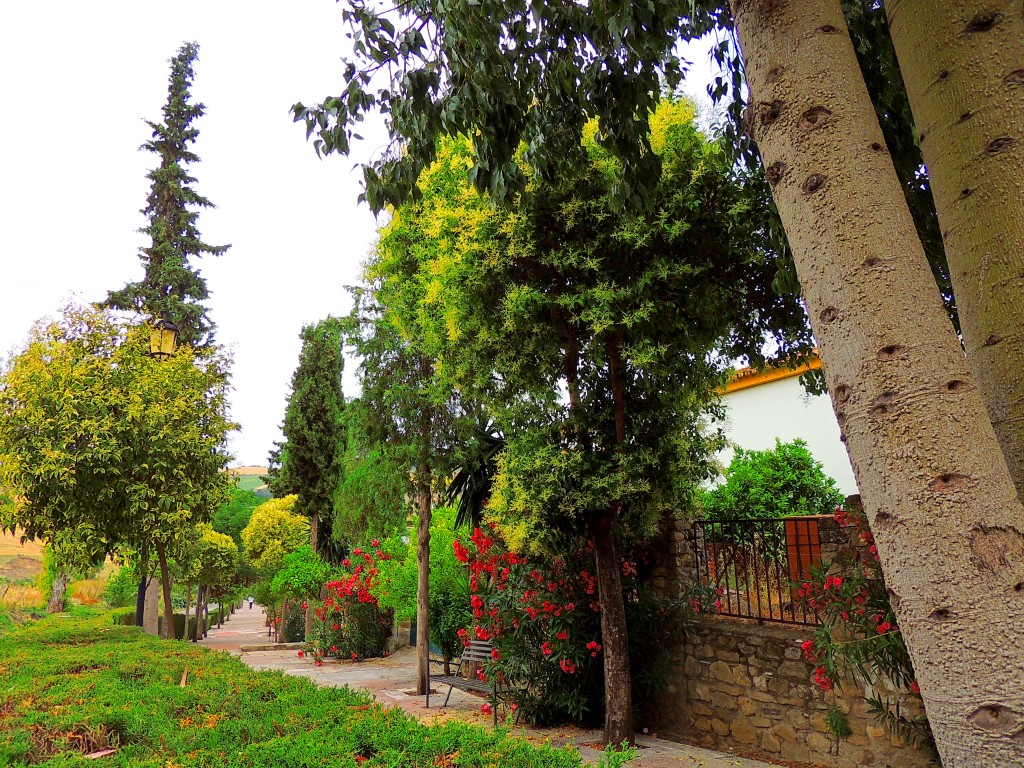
(392, 682)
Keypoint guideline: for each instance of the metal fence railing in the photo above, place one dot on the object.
(757, 565)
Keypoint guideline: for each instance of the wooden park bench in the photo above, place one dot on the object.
(478, 651)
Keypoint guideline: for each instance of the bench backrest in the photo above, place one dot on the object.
(478, 650)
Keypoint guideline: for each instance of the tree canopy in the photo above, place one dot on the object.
(103, 446)
(779, 482)
(314, 427)
(593, 335)
(171, 285)
(273, 531)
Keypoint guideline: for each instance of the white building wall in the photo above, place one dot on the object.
(782, 409)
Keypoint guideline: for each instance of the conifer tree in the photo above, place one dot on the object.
(171, 285)
(314, 429)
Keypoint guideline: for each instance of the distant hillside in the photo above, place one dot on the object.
(19, 562)
(250, 479)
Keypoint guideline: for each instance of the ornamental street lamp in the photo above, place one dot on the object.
(163, 337)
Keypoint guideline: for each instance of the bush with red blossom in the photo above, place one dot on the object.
(349, 623)
(859, 635)
(542, 617)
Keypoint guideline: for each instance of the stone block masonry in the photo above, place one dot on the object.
(749, 687)
(746, 686)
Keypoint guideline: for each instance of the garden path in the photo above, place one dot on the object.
(391, 681)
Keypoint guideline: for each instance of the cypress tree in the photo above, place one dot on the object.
(171, 286)
(314, 430)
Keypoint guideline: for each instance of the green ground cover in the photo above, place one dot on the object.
(73, 685)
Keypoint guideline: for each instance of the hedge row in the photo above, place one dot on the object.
(126, 618)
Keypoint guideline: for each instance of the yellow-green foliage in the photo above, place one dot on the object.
(102, 445)
(274, 531)
(217, 556)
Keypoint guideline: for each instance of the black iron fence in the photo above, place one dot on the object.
(757, 566)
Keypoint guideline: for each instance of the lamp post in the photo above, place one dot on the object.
(163, 338)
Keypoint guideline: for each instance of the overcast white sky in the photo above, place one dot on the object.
(78, 79)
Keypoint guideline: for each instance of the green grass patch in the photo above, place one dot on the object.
(77, 684)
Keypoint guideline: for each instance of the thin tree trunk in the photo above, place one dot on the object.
(206, 610)
(963, 65)
(165, 583)
(58, 593)
(314, 533)
(188, 600)
(140, 597)
(281, 634)
(199, 612)
(423, 503)
(423, 581)
(936, 489)
(618, 691)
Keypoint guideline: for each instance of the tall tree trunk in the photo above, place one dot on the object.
(423, 580)
(423, 500)
(936, 489)
(963, 66)
(165, 583)
(58, 593)
(314, 533)
(618, 691)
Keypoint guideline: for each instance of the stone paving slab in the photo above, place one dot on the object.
(392, 681)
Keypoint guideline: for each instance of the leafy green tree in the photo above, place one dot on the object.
(214, 568)
(302, 575)
(780, 482)
(172, 285)
(396, 584)
(273, 531)
(505, 72)
(371, 501)
(106, 448)
(409, 415)
(591, 334)
(232, 516)
(314, 429)
(217, 557)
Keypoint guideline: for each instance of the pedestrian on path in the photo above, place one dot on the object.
(250, 602)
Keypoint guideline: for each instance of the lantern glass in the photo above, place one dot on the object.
(163, 338)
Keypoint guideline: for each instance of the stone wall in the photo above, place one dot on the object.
(748, 686)
(743, 685)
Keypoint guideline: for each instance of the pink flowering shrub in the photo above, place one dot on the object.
(542, 615)
(349, 623)
(859, 635)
